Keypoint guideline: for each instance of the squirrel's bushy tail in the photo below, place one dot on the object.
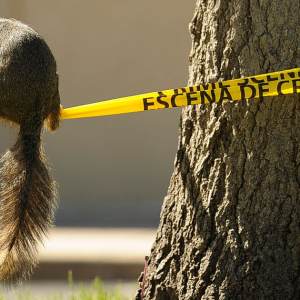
(27, 203)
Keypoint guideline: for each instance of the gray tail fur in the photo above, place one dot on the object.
(28, 199)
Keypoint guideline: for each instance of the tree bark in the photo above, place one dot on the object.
(229, 225)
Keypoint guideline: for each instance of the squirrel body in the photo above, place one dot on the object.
(29, 97)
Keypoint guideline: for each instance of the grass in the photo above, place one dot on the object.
(79, 291)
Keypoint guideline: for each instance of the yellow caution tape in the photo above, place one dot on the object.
(271, 84)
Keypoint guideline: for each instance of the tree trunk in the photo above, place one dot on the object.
(229, 225)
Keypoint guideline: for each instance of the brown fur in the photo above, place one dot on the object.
(29, 97)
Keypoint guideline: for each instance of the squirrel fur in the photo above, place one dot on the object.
(29, 97)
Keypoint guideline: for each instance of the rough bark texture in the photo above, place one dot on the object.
(229, 225)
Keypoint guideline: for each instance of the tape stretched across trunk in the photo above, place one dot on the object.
(271, 84)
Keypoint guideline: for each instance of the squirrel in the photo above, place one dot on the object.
(29, 97)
